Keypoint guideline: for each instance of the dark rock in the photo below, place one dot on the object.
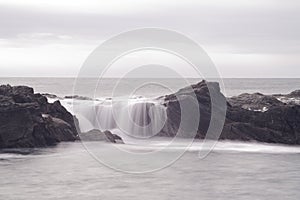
(28, 120)
(51, 96)
(56, 110)
(294, 94)
(202, 91)
(78, 97)
(20, 151)
(255, 102)
(97, 135)
(59, 129)
(248, 132)
(292, 98)
(112, 137)
(279, 123)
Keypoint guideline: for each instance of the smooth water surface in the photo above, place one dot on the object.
(231, 171)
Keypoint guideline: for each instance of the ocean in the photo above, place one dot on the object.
(151, 169)
(90, 87)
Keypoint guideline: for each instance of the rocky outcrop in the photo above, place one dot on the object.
(255, 102)
(175, 119)
(97, 135)
(294, 94)
(28, 120)
(292, 98)
(278, 123)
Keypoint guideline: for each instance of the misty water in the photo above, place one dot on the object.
(95, 170)
(231, 171)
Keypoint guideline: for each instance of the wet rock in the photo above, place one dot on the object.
(51, 96)
(183, 123)
(113, 138)
(279, 123)
(294, 94)
(255, 102)
(28, 120)
(78, 97)
(97, 135)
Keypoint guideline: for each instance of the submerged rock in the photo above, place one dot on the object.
(78, 97)
(28, 120)
(97, 135)
(113, 138)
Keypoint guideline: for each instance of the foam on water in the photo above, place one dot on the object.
(137, 117)
(159, 143)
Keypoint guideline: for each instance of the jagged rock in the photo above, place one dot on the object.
(255, 102)
(294, 94)
(202, 92)
(279, 123)
(28, 120)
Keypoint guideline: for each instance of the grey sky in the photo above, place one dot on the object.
(244, 38)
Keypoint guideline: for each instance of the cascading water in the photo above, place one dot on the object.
(138, 118)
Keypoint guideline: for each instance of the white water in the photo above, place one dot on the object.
(138, 118)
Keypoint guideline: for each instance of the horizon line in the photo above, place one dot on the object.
(152, 77)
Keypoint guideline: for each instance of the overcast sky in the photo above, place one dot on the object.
(257, 38)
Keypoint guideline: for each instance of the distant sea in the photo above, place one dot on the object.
(229, 86)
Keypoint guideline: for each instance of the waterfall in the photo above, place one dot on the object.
(139, 118)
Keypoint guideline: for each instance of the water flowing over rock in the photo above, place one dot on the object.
(258, 117)
(28, 120)
(136, 118)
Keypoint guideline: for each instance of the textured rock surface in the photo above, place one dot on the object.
(255, 102)
(294, 94)
(175, 118)
(279, 123)
(28, 120)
